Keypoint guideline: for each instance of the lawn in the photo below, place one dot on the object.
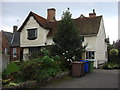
(12, 67)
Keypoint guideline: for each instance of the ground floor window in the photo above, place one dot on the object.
(90, 54)
(33, 50)
(14, 52)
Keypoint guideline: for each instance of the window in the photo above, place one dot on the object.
(90, 55)
(32, 34)
(34, 50)
(14, 52)
(6, 50)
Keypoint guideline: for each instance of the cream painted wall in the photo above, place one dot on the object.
(97, 44)
(91, 41)
(101, 45)
(49, 40)
(41, 34)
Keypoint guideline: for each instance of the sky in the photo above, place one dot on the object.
(14, 13)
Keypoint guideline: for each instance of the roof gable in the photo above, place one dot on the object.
(40, 20)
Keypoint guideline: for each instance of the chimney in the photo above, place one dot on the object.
(15, 28)
(51, 14)
(92, 14)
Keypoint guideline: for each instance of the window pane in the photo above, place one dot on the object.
(87, 55)
(90, 55)
(14, 52)
(32, 33)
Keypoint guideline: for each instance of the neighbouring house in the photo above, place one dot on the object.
(37, 32)
(5, 47)
(11, 44)
(15, 50)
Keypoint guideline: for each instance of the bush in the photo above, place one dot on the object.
(111, 66)
(40, 69)
(30, 68)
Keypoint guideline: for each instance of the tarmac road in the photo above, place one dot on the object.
(99, 78)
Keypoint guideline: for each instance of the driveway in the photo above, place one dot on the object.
(99, 78)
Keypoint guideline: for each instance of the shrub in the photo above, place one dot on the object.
(12, 67)
(111, 66)
(41, 68)
(30, 68)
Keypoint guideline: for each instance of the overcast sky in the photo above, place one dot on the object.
(13, 11)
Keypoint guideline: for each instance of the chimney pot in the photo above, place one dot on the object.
(92, 14)
(15, 28)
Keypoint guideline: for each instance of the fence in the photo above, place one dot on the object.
(5, 61)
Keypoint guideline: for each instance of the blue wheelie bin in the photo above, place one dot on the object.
(86, 65)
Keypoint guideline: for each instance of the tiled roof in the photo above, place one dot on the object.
(9, 36)
(41, 21)
(86, 25)
(15, 39)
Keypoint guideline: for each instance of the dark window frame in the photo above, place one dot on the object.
(34, 50)
(32, 33)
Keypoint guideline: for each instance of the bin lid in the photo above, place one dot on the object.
(90, 60)
(77, 62)
(84, 61)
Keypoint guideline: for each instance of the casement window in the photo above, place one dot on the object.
(90, 54)
(34, 50)
(14, 52)
(32, 34)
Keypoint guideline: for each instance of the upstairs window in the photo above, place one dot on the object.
(32, 34)
(90, 55)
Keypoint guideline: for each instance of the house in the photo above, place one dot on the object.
(37, 32)
(5, 47)
(11, 44)
(15, 49)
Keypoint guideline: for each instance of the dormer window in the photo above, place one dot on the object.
(32, 33)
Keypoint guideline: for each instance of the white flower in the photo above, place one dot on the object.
(67, 59)
(63, 53)
(66, 51)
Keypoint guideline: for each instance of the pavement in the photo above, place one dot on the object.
(99, 78)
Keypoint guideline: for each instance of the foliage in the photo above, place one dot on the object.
(111, 65)
(12, 67)
(114, 52)
(8, 82)
(30, 68)
(67, 40)
(41, 68)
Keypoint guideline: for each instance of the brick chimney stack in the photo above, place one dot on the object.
(51, 14)
(15, 28)
(92, 14)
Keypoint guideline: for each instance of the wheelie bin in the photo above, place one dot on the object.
(91, 65)
(86, 65)
(77, 68)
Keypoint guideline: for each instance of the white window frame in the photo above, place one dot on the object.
(89, 55)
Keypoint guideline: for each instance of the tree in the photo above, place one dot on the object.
(67, 40)
(117, 46)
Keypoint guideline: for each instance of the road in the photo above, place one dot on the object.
(99, 78)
